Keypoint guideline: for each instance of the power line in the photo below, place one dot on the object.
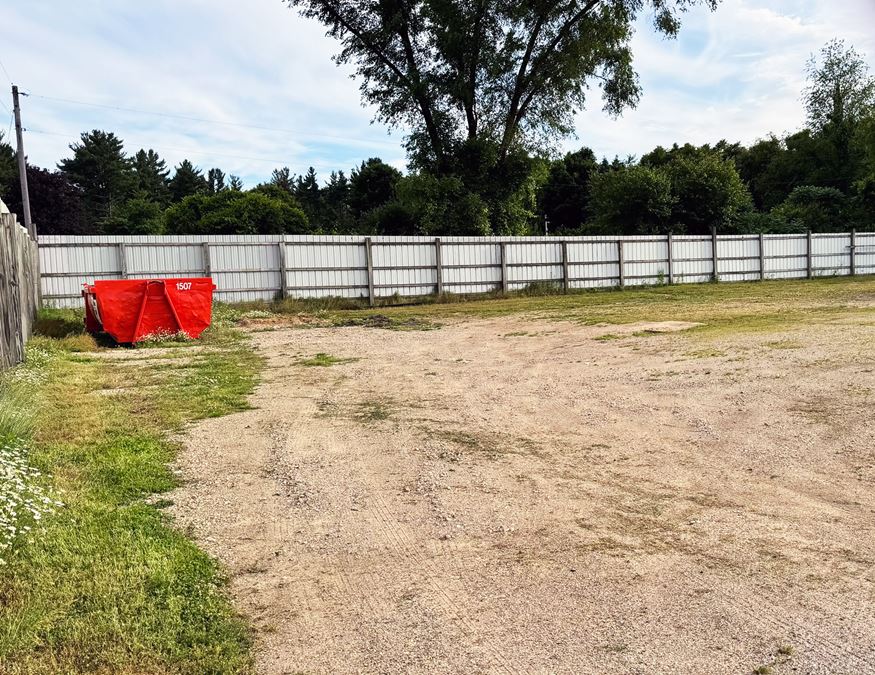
(211, 121)
(8, 76)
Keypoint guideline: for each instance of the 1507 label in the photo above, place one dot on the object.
(183, 285)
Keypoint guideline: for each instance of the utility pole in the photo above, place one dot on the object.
(22, 165)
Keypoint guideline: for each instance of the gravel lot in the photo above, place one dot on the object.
(522, 495)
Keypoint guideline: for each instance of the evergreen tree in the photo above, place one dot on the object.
(215, 181)
(151, 177)
(100, 169)
(338, 214)
(371, 186)
(284, 179)
(310, 197)
(235, 184)
(188, 180)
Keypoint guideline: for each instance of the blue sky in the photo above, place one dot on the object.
(267, 76)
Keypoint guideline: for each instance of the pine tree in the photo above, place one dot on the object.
(216, 181)
(188, 180)
(101, 170)
(283, 178)
(151, 176)
(338, 215)
(309, 196)
(235, 184)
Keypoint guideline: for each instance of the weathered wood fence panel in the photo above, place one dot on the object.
(19, 288)
(264, 267)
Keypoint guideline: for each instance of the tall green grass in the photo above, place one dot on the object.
(106, 583)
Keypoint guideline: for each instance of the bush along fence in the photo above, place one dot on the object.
(265, 267)
(19, 287)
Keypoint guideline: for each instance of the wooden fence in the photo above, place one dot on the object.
(264, 267)
(19, 288)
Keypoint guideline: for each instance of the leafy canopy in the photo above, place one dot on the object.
(512, 73)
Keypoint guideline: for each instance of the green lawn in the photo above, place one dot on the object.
(105, 583)
(720, 306)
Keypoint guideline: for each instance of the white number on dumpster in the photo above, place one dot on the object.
(183, 285)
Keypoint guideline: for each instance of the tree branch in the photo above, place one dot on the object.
(526, 79)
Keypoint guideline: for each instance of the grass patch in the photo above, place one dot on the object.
(373, 411)
(383, 321)
(710, 353)
(725, 309)
(608, 337)
(322, 360)
(785, 344)
(106, 583)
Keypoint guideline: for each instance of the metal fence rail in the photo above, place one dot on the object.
(19, 288)
(264, 267)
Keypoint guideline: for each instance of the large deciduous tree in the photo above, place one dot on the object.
(510, 73)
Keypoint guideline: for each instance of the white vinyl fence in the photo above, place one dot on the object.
(265, 267)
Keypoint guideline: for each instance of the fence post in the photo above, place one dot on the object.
(503, 251)
(762, 257)
(808, 250)
(714, 259)
(565, 275)
(438, 266)
(621, 259)
(670, 242)
(284, 266)
(853, 248)
(123, 259)
(208, 263)
(370, 257)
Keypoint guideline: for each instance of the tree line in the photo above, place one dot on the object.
(821, 178)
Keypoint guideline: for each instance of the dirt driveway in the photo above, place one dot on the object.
(535, 496)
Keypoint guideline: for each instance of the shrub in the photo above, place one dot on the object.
(820, 209)
(233, 212)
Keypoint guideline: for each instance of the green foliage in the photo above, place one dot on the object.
(707, 190)
(840, 90)
(814, 208)
(565, 198)
(102, 171)
(309, 196)
(151, 175)
(215, 181)
(759, 222)
(393, 218)
(372, 185)
(232, 212)
(339, 218)
(188, 180)
(139, 215)
(283, 179)
(104, 584)
(633, 200)
(55, 203)
(443, 206)
(512, 73)
(483, 89)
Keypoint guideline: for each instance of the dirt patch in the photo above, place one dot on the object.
(461, 501)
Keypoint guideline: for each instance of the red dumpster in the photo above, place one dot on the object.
(132, 309)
